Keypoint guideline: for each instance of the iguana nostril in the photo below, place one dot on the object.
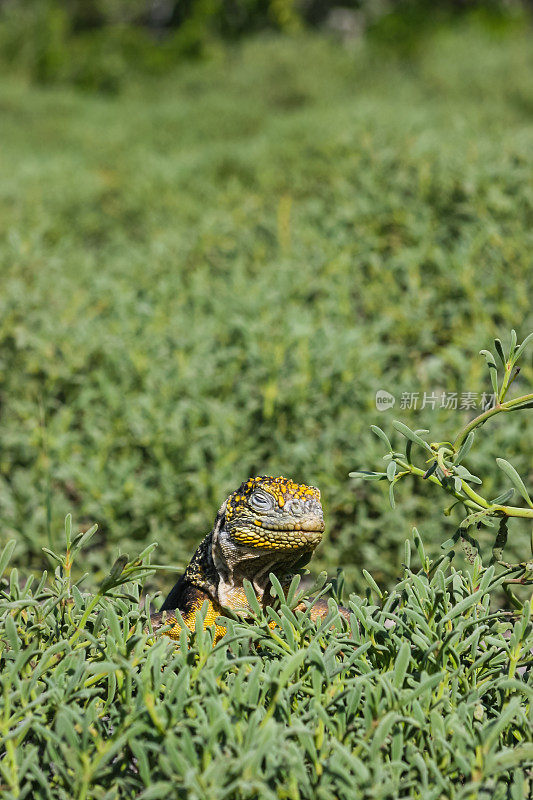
(297, 508)
(313, 507)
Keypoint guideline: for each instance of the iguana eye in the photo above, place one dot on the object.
(260, 501)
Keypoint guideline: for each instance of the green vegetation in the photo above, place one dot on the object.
(445, 468)
(211, 276)
(102, 45)
(424, 696)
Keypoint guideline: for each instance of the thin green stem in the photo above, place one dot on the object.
(514, 511)
(510, 405)
(505, 382)
(473, 499)
(420, 472)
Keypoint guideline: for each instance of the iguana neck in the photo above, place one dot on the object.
(220, 571)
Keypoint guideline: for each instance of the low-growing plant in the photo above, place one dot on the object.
(444, 467)
(426, 693)
(153, 351)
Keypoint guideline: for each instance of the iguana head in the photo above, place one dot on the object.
(267, 525)
(274, 514)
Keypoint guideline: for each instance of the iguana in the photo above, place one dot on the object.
(267, 525)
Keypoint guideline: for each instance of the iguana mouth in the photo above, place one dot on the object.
(314, 526)
(293, 529)
(280, 538)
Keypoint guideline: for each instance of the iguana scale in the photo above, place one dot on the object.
(267, 525)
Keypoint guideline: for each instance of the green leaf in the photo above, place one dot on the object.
(502, 499)
(463, 605)
(114, 624)
(401, 664)
(411, 435)
(82, 539)
(102, 667)
(512, 347)
(515, 479)
(465, 448)
(118, 567)
(509, 758)
(522, 347)
(407, 554)
(391, 470)
(467, 476)
(493, 369)
(420, 547)
(450, 542)
(158, 790)
(491, 731)
(499, 349)
(7, 552)
(277, 587)
(293, 589)
(372, 583)
(380, 734)
(525, 404)
(293, 664)
(146, 552)
(368, 475)
(251, 597)
(52, 555)
(68, 530)
(382, 435)
(488, 575)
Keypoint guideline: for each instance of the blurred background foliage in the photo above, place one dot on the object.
(99, 44)
(209, 266)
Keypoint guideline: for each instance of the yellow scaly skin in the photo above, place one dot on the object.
(267, 525)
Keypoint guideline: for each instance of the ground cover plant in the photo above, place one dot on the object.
(197, 288)
(427, 693)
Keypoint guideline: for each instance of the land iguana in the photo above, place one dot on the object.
(267, 525)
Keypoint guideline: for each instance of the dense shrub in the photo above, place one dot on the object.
(196, 289)
(426, 694)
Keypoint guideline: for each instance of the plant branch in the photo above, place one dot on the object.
(510, 405)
